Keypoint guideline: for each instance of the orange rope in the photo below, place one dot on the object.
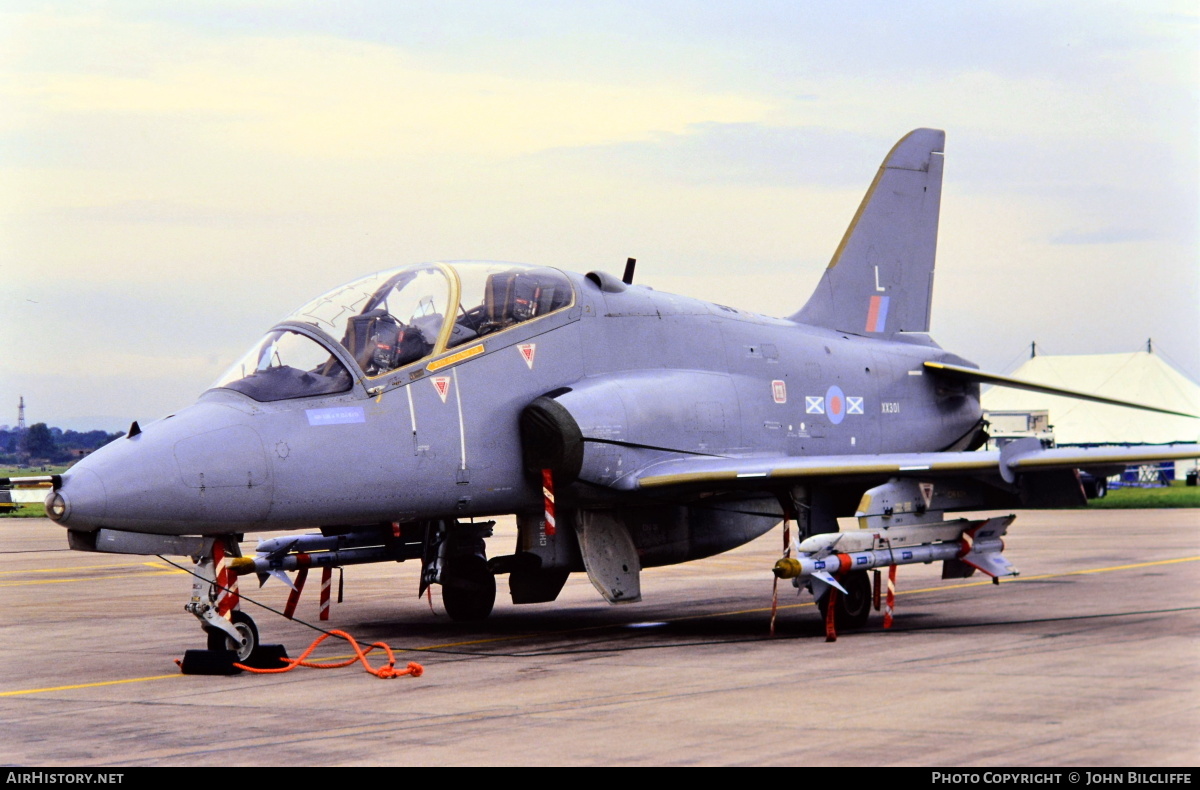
(388, 671)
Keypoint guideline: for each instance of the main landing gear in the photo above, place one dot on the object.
(853, 609)
(455, 557)
(468, 587)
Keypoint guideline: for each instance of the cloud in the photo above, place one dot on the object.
(317, 97)
(757, 154)
(1103, 236)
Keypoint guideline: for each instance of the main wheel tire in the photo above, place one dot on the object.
(853, 609)
(219, 640)
(1101, 488)
(468, 588)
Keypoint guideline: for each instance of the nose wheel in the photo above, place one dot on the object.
(247, 641)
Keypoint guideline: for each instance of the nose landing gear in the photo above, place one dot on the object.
(215, 600)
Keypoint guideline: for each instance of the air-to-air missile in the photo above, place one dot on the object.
(901, 523)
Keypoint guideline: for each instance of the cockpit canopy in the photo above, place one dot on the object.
(391, 319)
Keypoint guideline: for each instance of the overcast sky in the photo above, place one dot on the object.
(175, 177)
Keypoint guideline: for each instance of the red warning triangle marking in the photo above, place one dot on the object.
(527, 351)
(442, 385)
(927, 493)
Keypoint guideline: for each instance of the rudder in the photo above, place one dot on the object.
(880, 279)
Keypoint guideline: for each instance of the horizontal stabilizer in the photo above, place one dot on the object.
(959, 373)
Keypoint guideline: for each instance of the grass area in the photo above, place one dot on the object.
(28, 509)
(25, 510)
(1175, 495)
(7, 470)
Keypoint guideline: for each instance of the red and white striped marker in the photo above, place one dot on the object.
(326, 584)
(548, 498)
(831, 615)
(787, 552)
(891, 597)
(289, 611)
(227, 589)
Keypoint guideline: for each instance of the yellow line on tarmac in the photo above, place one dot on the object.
(87, 568)
(87, 685)
(91, 578)
(986, 582)
(1020, 579)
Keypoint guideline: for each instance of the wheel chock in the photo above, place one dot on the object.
(266, 657)
(209, 662)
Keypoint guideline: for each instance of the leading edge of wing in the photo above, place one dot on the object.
(971, 374)
(759, 472)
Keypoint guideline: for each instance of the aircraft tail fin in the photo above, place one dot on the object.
(880, 279)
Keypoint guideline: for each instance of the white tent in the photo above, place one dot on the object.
(1140, 377)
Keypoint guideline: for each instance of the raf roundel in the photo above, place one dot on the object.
(835, 404)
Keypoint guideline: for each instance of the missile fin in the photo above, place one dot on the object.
(824, 579)
(275, 574)
(993, 563)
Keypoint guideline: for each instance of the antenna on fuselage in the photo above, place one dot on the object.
(628, 277)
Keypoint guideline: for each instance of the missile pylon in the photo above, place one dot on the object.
(321, 559)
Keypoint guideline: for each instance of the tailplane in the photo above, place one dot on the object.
(880, 280)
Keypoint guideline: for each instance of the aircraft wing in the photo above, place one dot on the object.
(960, 373)
(1025, 455)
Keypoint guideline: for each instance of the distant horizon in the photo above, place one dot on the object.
(79, 424)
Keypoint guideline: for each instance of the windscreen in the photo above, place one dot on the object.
(385, 320)
(286, 364)
(395, 318)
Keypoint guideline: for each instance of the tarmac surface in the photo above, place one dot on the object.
(1091, 658)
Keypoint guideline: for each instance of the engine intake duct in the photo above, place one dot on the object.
(551, 440)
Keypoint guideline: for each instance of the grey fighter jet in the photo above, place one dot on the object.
(623, 427)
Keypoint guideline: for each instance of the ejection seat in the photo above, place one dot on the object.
(512, 297)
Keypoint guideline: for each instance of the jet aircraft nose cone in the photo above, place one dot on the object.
(201, 471)
(81, 498)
